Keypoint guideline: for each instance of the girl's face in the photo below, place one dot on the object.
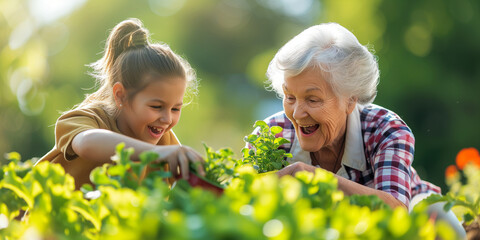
(154, 110)
(318, 115)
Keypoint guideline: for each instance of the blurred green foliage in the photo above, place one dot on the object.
(428, 55)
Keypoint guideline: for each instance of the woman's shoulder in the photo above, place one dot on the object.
(382, 128)
(373, 116)
(279, 119)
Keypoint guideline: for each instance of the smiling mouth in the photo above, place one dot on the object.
(308, 129)
(155, 130)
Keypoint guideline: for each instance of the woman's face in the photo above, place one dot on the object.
(154, 110)
(318, 115)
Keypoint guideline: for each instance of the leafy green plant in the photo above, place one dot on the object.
(126, 173)
(264, 154)
(128, 203)
(12, 191)
(220, 165)
(463, 197)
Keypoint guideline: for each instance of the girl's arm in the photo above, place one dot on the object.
(99, 145)
(346, 186)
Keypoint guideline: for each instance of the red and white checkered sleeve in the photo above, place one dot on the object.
(393, 159)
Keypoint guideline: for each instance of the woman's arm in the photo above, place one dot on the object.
(99, 145)
(350, 187)
(346, 186)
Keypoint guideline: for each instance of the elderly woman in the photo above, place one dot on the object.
(328, 82)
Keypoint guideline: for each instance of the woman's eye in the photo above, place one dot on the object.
(313, 100)
(289, 98)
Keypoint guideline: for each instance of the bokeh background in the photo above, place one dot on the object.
(428, 53)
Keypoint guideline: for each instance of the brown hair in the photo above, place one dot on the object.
(129, 58)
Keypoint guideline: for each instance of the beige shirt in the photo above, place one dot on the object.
(74, 122)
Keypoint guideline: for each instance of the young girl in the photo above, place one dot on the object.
(140, 98)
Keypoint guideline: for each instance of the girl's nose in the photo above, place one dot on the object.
(166, 117)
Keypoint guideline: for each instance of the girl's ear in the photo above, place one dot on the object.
(119, 94)
(351, 103)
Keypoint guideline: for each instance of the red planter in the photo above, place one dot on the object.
(198, 181)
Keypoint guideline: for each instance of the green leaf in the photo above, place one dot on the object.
(276, 166)
(468, 217)
(116, 170)
(263, 147)
(261, 124)
(148, 157)
(160, 174)
(276, 129)
(434, 198)
(13, 156)
(280, 141)
(251, 138)
(98, 176)
(83, 208)
(373, 202)
(448, 206)
(86, 188)
(399, 215)
(14, 183)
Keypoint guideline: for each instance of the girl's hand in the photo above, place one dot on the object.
(292, 169)
(178, 158)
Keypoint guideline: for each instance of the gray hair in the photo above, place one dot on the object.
(351, 69)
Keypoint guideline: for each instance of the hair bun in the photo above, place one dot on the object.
(128, 34)
(137, 38)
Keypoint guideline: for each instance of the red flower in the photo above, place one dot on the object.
(451, 171)
(467, 155)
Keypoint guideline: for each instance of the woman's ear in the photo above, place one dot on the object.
(119, 94)
(351, 103)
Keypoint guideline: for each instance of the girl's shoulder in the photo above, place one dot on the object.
(94, 117)
(93, 112)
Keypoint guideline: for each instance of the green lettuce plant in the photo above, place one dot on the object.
(264, 154)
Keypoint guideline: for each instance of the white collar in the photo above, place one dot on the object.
(354, 152)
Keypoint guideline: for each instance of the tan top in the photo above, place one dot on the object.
(74, 122)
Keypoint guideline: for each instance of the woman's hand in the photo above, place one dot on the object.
(292, 169)
(178, 158)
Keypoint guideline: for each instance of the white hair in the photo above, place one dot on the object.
(349, 67)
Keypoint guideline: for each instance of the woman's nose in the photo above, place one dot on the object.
(299, 111)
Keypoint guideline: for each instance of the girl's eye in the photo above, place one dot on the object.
(156, 107)
(176, 109)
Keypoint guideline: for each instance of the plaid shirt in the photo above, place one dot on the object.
(388, 147)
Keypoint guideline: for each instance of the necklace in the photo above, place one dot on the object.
(314, 158)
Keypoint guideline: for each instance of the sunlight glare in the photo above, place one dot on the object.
(47, 11)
